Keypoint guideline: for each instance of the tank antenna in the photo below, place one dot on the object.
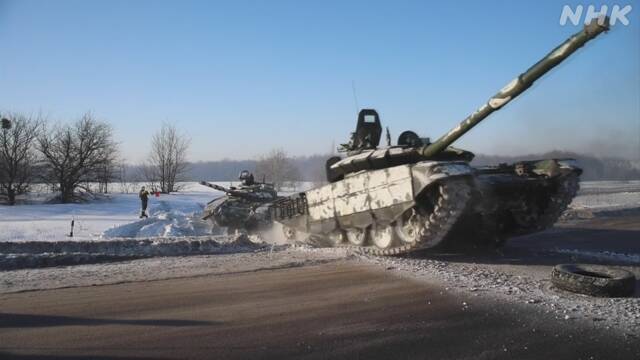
(355, 97)
(388, 137)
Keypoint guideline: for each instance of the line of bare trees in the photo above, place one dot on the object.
(68, 156)
(278, 168)
(64, 156)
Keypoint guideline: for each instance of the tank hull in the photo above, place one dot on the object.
(431, 204)
(237, 214)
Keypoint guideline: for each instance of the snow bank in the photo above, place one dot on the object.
(174, 214)
(30, 254)
(162, 224)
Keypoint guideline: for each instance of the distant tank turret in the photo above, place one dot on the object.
(242, 208)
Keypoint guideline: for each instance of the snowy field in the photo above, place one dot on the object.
(116, 215)
(607, 195)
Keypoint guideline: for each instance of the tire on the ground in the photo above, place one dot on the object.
(594, 280)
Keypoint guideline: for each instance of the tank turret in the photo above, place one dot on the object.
(364, 153)
(243, 208)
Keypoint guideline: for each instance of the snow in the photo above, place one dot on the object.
(34, 254)
(109, 229)
(604, 196)
(117, 215)
(520, 283)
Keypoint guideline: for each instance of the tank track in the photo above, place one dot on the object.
(493, 230)
(450, 200)
(560, 201)
(431, 225)
(567, 188)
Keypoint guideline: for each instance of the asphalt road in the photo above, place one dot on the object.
(335, 310)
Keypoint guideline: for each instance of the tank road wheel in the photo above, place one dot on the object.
(427, 224)
(409, 227)
(452, 198)
(338, 237)
(356, 237)
(435, 215)
(383, 236)
(289, 233)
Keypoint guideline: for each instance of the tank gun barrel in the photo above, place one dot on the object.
(233, 192)
(520, 84)
(214, 186)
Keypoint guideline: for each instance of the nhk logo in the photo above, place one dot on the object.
(574, 14)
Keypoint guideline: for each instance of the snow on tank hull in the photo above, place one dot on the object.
(431, 203)
(378, 196)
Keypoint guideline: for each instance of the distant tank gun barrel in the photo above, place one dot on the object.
(520, 84)
(214, 186)
(232, 191)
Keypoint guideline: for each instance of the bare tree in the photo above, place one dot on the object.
(76, 153)
(277, 168)
(124, 177)
(107, 173)
(167, 161)
(17, 155)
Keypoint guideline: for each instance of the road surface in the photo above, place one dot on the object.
(333, 310)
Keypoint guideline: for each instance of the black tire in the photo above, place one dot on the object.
(594, 280)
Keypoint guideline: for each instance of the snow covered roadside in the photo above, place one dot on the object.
(17, 255)
(160, 268)
(174, 215)
(522, 285)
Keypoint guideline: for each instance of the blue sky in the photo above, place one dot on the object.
(243, 77)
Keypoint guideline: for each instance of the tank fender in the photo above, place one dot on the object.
(549, 167)
(426, 173)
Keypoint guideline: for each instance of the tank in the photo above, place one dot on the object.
(244, 208)
(420, 194)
